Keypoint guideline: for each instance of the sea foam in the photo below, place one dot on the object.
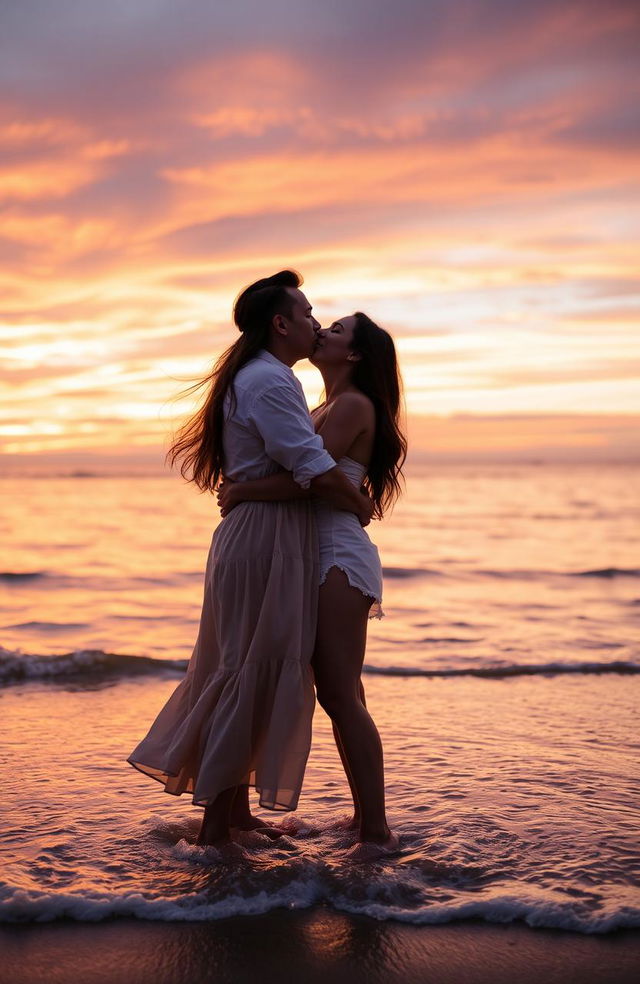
(30, 906)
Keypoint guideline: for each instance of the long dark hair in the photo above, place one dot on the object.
(377, 375)
(198, 445)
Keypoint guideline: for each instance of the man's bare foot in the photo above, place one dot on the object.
(367, 850)
(241, 817)
(348, 823)
(213, 834)
(205, 839)
(214, 831)
(223, 851)
(255, 823)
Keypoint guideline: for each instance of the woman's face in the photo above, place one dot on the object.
(334, 344)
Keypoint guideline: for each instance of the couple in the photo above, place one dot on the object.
(291, 576)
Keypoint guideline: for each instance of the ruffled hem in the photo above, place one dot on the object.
(250, 726)
(265, 798)
(376, 608)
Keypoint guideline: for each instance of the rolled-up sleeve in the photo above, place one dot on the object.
(281, 416)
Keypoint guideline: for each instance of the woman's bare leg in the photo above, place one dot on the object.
(355, 820)
(337, 662)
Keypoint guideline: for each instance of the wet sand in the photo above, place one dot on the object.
(314, 945)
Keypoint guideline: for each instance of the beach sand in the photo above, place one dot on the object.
(314, 945)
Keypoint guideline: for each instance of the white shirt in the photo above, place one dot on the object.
(270, 426)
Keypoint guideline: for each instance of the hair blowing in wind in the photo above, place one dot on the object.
(198, 445)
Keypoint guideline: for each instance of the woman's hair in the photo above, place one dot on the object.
(377, 375)
(198, 445)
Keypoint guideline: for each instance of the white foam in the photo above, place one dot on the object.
(20, 905)
(17, 666)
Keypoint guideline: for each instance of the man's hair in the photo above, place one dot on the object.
(257, 305)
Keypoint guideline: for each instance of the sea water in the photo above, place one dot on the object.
(504, 680)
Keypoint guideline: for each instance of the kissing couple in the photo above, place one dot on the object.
(292, 576)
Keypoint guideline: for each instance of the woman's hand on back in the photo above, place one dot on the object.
(228, 495)
(366, 513)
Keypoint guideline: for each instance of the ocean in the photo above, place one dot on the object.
(504, 680)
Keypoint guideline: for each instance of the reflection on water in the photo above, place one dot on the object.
(329, 937)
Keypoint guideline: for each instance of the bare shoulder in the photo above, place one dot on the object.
(354, 403)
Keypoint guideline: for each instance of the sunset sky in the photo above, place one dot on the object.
(465, 172)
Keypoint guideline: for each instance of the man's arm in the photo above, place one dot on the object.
(332, 485)
(273, 488)
(282, 419)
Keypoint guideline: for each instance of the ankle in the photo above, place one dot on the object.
(374, 835)
(237, 818)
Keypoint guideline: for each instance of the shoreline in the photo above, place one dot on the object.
(308, 945)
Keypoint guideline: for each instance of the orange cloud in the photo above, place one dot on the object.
(470, 183)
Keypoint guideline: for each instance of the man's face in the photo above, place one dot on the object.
(301, 325)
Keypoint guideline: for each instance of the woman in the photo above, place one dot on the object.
(359, 426)
(242, 715)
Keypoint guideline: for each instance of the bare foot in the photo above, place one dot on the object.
(222, 853)
(347, 823)
(212, 835)
(373, 850)
(254, 823)
(231, 852)
(210, 840)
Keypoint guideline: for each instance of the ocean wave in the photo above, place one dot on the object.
(48, 626)
(514, 574)
(16, 667)
(610, 572)
(61, 579)
(537, 575)
(95, 664)
(18, 577)
(504, 671)
(33, 906)
(403, 572)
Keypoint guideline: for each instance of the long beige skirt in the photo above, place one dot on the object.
(243, 712)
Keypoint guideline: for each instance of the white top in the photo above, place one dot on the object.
(270, 426)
